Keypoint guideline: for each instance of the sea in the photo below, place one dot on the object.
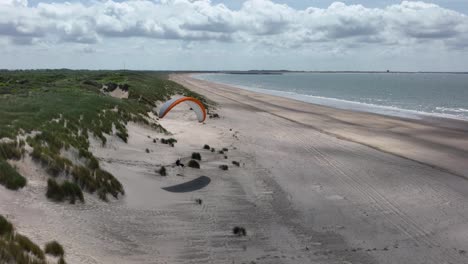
(410, 95)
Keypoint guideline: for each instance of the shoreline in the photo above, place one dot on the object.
(428, 141)
(450, 121)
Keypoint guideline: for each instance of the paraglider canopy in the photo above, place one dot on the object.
(194, 103)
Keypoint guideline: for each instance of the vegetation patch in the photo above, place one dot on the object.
(193, 164)
(207, 147)
(224, 167)
(236, 163)
(196, 156)
(9, 177)
(54, 248)
(17, 248)
(65, 191)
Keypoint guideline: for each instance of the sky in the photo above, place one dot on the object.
(235, 34)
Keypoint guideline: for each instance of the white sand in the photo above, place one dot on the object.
(303, 196)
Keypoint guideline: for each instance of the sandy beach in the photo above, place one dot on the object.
(314, 185)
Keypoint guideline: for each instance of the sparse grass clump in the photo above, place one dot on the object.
(193, 164)
(54, 248)
(224, 167)
(162, 171)
(207, 147)
(65, 191)
(236, 163)
(9, 177)
(196, 156)
(213, 149)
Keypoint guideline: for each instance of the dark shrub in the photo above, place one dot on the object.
(213, 149)
(54, 248)
(169, 141)
(193, 164)
(225, 149)
(236, 163)
(206, 147)
(225, 157)
(66, 190)
(61, 261)
(199, 201)
(5, 226)
(196, 156)
(221, 152)
(147, 150)
(224, 167)
(9, 177)
(239, 231)
(162, 171)
(154, 140)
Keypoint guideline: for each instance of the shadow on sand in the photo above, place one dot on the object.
(189, 186)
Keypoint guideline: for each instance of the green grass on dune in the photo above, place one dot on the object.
(59, 109)
(17, 248)
(9, 177)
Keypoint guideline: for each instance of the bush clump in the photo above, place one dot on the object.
(196, 156)
(236, 163)
(162, 171)
(207, 147)
(9, 177)
(221, 152)
(147, 151)
(193, 164)
(225, 157)
(60, 192)
(224, 167)
(225, 149)
(54, 248)
(169, 141)
(239, 231)
(213, 149)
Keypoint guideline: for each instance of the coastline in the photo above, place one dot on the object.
(437, 142)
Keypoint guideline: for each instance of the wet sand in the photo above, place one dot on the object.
(304, 192)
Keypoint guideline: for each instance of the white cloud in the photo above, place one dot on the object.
(257, 21)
